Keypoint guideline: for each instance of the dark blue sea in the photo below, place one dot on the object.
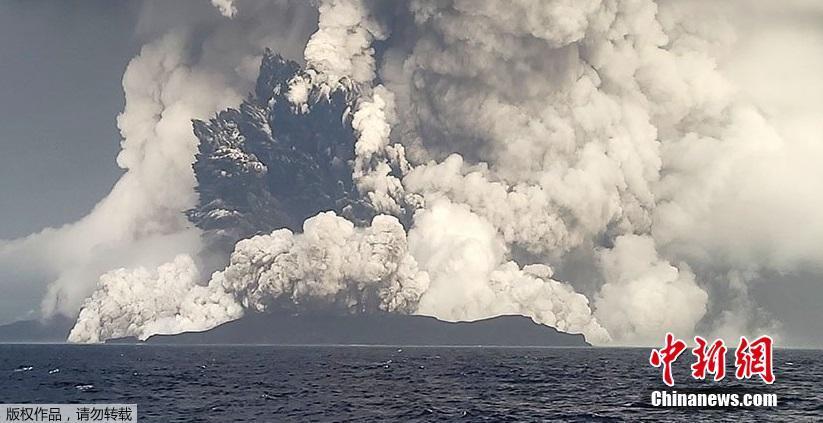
(363, 384)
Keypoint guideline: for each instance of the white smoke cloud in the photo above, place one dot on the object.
(342, 45)
(471, 279)
(533, 129)
(644, 293)
(177, 76)
(226, 7)
(142, 303)
(742, 193)
(375, 155)
(541, 129)
(163, 92)
(331, 263)
(565, 124)
(537, 141)
(742, 315)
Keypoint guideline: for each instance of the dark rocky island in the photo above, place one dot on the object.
(374, 329)
(54, 330)
(284, 328)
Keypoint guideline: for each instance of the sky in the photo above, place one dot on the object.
(61, 88)
(61, 67)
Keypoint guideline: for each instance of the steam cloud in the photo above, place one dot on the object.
(141, 303)
(471, 279)
(176, 77)
(330, 263)
(513, 142)
(226, 7)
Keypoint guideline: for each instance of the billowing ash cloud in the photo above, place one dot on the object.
(379, 164)
(514, 144)
(179, 75)
(472, 279)
(342, 46)
(226, 7)
(330, 264)
(141, 303)
(643, 292)
(289, 161)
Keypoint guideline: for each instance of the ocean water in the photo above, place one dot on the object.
(274, 384)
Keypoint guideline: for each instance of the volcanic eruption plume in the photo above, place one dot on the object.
(577, 162)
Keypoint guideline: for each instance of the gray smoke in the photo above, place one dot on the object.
(331, 263)
(202, 64)
(142, 303)
(510, 137)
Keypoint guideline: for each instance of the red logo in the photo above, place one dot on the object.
(666, 356)
(754, 358)
(751, 358)
(711, 360)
